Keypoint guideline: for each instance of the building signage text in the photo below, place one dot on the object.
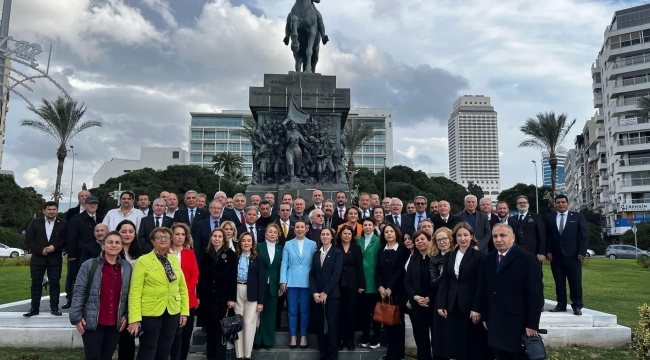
(634, 207)
(22, 50)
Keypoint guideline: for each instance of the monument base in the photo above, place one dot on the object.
(303, 190)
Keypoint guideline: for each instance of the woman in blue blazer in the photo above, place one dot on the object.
(294, 279)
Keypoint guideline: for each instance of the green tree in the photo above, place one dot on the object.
(474, 189)
(12, 238)
(227, 162)
(235, 177)
(15, 217)
(356, 134)
(547, 133)
(643, 236)
(510, 196)
(61, 120)
(643, 104)
(596, 242)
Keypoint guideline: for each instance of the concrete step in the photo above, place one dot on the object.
(564, 319)
(300, 355)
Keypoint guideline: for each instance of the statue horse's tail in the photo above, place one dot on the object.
(295, 22)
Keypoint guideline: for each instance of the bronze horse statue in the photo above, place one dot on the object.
(305, 29)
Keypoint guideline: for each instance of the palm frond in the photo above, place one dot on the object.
(356, 134)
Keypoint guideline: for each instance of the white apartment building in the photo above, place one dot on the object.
(621, 159)
(157, 158)
(473, 132)
(212, 133)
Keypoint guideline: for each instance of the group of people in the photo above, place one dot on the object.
(471, 283)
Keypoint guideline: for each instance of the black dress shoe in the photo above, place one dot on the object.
(303, 347)
(256, 346)
(66, 305)
(557, 309)
(32, 312)
(577, 311)
(55, 311)
(291, 347)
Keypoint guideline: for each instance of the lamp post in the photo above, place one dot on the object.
(385, 178)
(71, 177)
(536, 196)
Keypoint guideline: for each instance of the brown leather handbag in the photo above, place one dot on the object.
(387, 313)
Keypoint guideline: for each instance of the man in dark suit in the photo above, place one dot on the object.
(251, 226)
(81, 232)
(444, 218)
(285, 224)
(148, 223)
(478, 221)
(330, 220)
(568, 239)
(341, 202)
(403, 221)
(192, 214)
(266, 216)
(299, 213)
(503, 217)
(143, 204)
(485, 206)
(420, 211)
(203, 228)
(46, 238)
(317, 201)
(237, 215)
(512, 292)
(270, 197)
(81, 197)
(532, 228)
(364, 206)
(317, 219)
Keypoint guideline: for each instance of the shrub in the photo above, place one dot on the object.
(643, 235)
(11, 238)
(641, 340)
(643, 261)
(585, 261)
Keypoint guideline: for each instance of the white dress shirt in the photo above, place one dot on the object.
(559, 217)
(520, 216)
(115, 216)
(254, 231)
(177, 254)
(459, 258)
(170, 214)
(49, 227)
(364, 213)
(270, 246)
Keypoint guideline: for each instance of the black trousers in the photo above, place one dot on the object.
(159, 332)
(368, 303)
(73, 270)
(347, 314)
(502, 355)
(126, 346)
(215, 347)
(328, 344)
(181, 345)
(396, 335)
(421, 320)
(101, 343)
(37, 272)
(567, 269)
(282, 300)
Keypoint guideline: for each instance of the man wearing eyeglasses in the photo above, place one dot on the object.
(532, 228)
(317, 219)
(126, 211)
(420, 211)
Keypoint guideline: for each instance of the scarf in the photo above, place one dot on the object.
(168, 267)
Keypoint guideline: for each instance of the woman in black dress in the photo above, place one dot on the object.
(459, 298)
(442, 243)
(351, 285)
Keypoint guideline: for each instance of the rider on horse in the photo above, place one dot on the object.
(321, 25)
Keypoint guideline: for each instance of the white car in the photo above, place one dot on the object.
(590, 253)
(6, 251)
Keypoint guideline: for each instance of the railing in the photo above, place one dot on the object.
(635, 182)
(635, 161)
(598, 96)
(632, 121)
(640, 201)
(632, 81)
(634, 60)
(634, 141)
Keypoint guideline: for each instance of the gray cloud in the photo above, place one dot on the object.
(386, 8)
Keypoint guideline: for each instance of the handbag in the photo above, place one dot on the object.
(318, 321)
(231, 325)
(533, 346)
(387, 313)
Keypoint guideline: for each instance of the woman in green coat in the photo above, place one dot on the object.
(369, 243)
(271, 253)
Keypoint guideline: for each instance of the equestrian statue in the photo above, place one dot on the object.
(305, 29)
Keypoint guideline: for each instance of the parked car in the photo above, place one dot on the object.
(623, 252)
(590, 253)
(6, 251)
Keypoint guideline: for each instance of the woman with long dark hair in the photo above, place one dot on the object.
(352, 217)
(351, 285)
(379, 219)
(131, 251)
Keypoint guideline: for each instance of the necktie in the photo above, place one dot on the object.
(216, 223)
(396, 220)
(191, 216)
(157, 221)
(341, 213)
(445, 219)
(561, 223)
(419, 221)
(241, 217)
(500, 258)
(521, 218)
(94, 219)
(284, 229)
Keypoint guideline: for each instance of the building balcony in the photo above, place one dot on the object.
(627, 49)
(603, 197)
(630, 145)
(628, 85)
(622, 106)
(627, 66)
(598, 100)
(593, 157)
(600, 133)
(596, 85)
(636, 185)
(633, 165)
(602, 164)
(600, 147)
(599, 116)
(595, 67)
(603, 181)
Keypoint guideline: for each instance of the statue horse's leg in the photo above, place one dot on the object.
(295, 23)
(310, 48)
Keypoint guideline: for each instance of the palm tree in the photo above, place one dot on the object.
(235, 177)
(61, 120)
(547, 133)
(644, 107)
(227, 162)
(356, 134)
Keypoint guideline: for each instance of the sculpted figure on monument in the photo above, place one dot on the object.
(305, 28)
(294, 152)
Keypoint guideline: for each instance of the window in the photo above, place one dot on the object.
(248, 171)
(379, 137)
(197, 134)
(222, 135)
(209, 147)
(234, 135)
(357, 160)
(248, 158)
(368, 160)
(246, 147)
(210, 121)
(176, 154)
(195, 158)
(209, 135)
(380, 148)
(222, 147)
(207, 158)
(233, 147)
(195, 146)
(368, 149)
(379, 161)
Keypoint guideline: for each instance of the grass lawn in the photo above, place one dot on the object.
(40, 354)
(612, 286)
(16, 282)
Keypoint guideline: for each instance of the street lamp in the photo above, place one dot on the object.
(536, 197)
(385, 178)
(72, 176)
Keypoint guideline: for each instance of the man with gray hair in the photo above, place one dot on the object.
(237, 215)
(81, 197)
(250, 225)
(222, 197)
(532, 229)
(444, 217)
(420, 211)
(157, 219)
(478, 221)
(192, 214)
(403, 221)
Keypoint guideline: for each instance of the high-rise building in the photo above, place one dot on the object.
(621, 156)
(473, 132)
(212, 133)
(561, 155)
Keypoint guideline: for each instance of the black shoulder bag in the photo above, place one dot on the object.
(231, 325)
(533, 346)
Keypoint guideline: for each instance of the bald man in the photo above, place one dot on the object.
(81, 197)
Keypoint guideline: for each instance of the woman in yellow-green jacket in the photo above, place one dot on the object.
(158, 300)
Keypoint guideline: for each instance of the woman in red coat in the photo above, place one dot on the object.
(182, 248)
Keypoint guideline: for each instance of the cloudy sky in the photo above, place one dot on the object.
(141, 66)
